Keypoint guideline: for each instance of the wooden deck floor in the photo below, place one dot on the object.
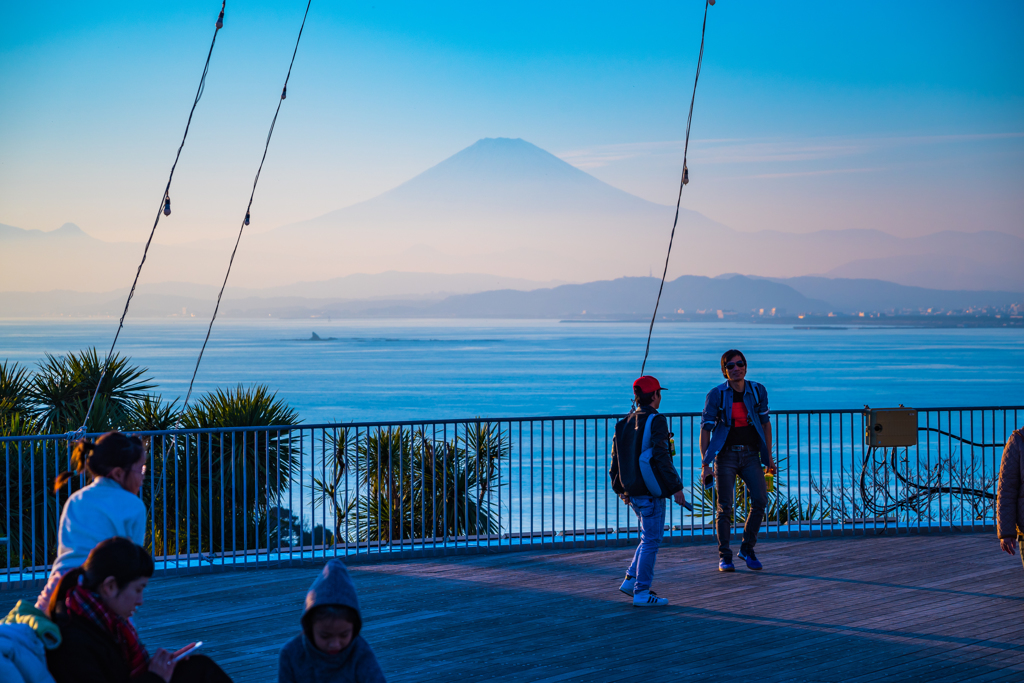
(929, 608)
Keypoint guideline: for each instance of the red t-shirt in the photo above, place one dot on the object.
(742, 432)
(739, 411)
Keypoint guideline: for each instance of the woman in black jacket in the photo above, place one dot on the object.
(93, 605)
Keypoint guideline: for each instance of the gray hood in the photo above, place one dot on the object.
(333, 587)
(302, 662)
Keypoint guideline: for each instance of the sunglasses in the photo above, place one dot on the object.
(735, 364)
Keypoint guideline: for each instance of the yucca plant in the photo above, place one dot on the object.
(331, 483)
(384, 484)
(61, 389)
(458, 479)
(151, 413)
(27, 469)
(412, 486)
(14, 385)
(228, 481)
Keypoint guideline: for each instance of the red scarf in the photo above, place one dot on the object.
(86, 604)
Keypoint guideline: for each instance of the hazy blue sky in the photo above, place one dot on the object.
(904, 116)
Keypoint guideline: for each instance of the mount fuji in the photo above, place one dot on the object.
(504, 208)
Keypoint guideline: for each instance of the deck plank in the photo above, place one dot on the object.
(931, 608)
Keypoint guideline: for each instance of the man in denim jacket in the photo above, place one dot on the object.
(736, 440)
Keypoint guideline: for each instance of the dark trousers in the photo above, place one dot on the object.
(747, 466)
(199, 669)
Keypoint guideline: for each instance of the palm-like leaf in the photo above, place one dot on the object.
(150, 413)
(229, 480)
(410, 486)
(26, 475)
(61, 390)
(332, 482)
(14, 384)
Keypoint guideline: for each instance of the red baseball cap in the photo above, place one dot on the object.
(647, 385)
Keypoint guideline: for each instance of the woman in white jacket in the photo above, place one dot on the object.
(109, 506)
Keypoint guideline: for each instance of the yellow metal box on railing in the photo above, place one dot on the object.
(891, 427)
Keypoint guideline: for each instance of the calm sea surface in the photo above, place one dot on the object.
(413, 369)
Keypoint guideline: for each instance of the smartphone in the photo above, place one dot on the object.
(688, 505)
(186, 651)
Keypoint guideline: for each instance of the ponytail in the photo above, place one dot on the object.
(99, 457)
(79, 461)
(115, 557)
(67, 582)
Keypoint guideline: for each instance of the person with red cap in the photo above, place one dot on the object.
(643, 476)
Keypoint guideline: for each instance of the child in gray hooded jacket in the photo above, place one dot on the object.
(330, 649)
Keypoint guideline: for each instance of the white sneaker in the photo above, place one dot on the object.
(627, 585)
(648, 599)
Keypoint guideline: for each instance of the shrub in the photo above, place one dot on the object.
(61, 389)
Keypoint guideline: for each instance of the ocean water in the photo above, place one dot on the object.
(426, 369)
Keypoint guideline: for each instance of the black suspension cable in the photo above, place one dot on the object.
(165, 209)
(683, 180)
(245, 221)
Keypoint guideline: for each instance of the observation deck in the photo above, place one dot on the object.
(932, 607)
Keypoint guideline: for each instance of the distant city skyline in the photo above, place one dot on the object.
(903, 117)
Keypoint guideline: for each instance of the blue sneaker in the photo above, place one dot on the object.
(751, 560)
(726, 566)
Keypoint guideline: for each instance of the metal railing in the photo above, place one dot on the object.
(287, 494)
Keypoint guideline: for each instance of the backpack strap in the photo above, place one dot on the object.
(726, 415)
(646, 452)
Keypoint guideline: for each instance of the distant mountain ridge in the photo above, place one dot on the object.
(620, 298)
(509, 209)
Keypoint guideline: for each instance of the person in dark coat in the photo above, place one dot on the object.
(1010, 496)
(330, 649)
(643, 475)
(93, 605)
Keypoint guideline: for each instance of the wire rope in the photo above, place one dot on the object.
(164, 209)
(683, 180)
(245, 221)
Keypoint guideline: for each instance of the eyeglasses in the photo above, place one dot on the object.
(735, 364)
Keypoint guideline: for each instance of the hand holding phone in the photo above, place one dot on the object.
(680, 499)
(186, 651)
(707, 474)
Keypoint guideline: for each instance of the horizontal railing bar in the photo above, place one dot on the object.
(473, 420)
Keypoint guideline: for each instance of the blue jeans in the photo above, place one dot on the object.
(650, 515)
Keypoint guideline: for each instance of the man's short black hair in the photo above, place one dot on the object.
(728, 356)
(643, 399)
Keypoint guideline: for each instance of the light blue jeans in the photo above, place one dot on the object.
(650, 515)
